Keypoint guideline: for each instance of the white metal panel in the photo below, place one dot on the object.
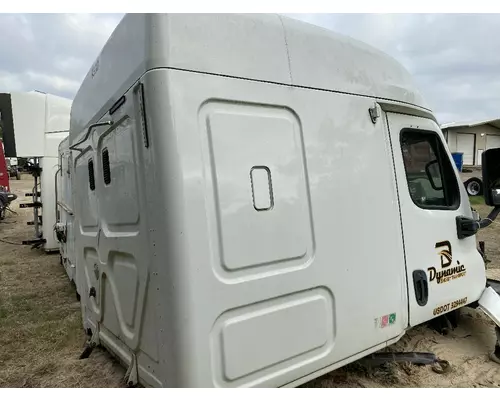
(320, 58)
(50, 165)
(265, 139)
(490, 304)
(262, 47)
(424, 228)
(33, 115)
(150, 242)
(185, 236)
(28, 112)
(65, 208)
(465, 144)
(226, 44)
(112, 236)
(57, 114)
(201, 305)
(51, 143)
(243, 331)
(331, 144)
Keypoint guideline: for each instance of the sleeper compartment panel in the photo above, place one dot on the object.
(119, 166)
(256, 342)
(256, 173)
(86, 202)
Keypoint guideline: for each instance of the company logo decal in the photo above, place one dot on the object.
(448, 270)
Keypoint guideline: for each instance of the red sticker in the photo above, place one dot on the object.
(385, 321)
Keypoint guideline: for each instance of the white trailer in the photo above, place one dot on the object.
(64, 210)
(34, 124)
(259, 201)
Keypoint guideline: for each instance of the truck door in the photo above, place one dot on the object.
(443, 272)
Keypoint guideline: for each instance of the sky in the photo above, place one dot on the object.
(454, 58)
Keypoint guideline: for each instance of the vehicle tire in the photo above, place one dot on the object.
(474, 187)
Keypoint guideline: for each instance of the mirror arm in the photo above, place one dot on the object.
(468, 227)
(490, 218)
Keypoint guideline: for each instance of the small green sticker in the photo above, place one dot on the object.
(392, 318)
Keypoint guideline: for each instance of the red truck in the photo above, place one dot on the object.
(5, 196)
(4, 174)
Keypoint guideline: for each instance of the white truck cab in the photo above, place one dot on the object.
(34, 123)
(258, 201)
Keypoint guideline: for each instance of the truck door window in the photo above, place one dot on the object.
(429, 172)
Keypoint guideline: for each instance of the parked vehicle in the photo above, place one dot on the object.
(5, 199)
(13, 169)
(65, 211)
(34, 124)
(4, 173)
(259, 201)
(474, 186)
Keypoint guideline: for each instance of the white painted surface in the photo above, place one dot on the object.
(39, 122)
(465, 144)
(28, 112)
(35, 114)
(490, 304)
(423, 228)
(50, 165)
(202, 287)
(65, 208)
(245, 331)
(242, 137)
(197, 201)
(262, 191)
(262, 47)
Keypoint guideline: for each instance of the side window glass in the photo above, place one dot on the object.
(429, 172)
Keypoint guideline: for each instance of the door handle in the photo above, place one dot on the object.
(421, 287)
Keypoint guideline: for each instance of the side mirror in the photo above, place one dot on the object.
(491, 176)
(434, 174)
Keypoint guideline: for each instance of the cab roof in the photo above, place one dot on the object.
(260, 47)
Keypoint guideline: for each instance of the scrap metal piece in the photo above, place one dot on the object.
(417, 358)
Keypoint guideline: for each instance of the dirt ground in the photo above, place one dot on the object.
(41, 336)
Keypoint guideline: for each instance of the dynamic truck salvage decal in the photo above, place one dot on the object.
(448, 271)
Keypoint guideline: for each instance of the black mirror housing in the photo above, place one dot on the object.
(490, 160)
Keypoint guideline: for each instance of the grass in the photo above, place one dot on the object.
(476, 200)
(41, 333)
